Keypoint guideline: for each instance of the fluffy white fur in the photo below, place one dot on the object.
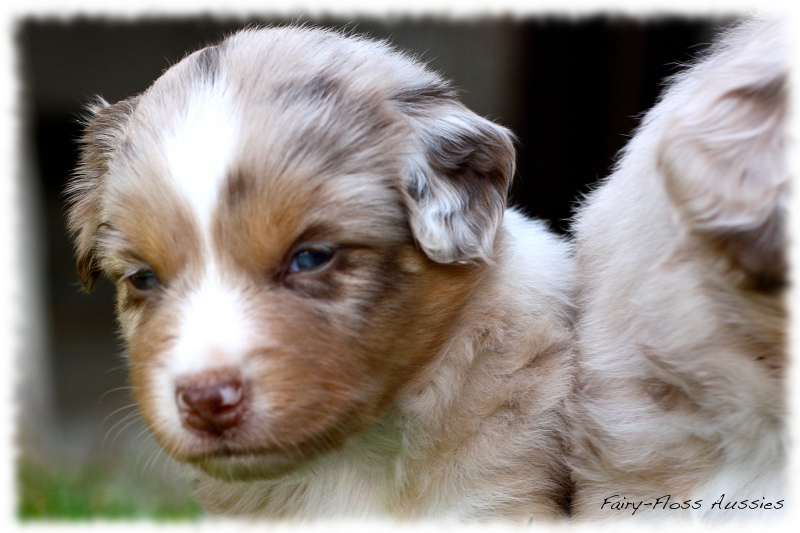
(682, 320)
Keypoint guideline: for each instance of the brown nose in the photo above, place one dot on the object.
(211, 404)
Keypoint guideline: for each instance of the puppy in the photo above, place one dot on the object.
(326, 310)
(682, 326)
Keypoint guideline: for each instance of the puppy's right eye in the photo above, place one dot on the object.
(144, 280)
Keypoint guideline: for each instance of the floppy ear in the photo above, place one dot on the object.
(723, 155)
(102, 136)
(457, 177)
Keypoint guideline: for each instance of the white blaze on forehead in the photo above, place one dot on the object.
(199, 150)
(215, 329)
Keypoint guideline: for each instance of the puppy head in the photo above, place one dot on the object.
(723, 154)
(292, 219)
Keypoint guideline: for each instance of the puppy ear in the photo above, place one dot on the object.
(102, 136)
(457, 179)
(723, 155)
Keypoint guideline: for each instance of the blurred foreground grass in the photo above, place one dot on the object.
(98, 490)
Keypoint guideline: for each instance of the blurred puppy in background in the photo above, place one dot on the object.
(680, 404)
(327, 309)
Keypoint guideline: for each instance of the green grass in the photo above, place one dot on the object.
(98, 491)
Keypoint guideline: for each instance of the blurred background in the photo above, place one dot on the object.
(572, 89)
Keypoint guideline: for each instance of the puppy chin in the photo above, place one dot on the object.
(246, 466)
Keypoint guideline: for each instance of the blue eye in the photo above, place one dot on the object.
(144, 280)
(310, 259)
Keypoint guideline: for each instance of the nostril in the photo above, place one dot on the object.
(211, 406)
(183, 403)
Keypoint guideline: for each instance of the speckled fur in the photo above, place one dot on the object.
(682, 320)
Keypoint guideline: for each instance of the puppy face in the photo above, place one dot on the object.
(292, 220)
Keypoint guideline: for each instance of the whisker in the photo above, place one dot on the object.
(115, 411)
(115, 389)
(151, 462)
(129, 420)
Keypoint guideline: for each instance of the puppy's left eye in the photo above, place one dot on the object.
(310, 259)
(144, 280)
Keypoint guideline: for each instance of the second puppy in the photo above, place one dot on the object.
(680, 408)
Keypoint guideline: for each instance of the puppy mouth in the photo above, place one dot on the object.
(243, 465)
(232, 456)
